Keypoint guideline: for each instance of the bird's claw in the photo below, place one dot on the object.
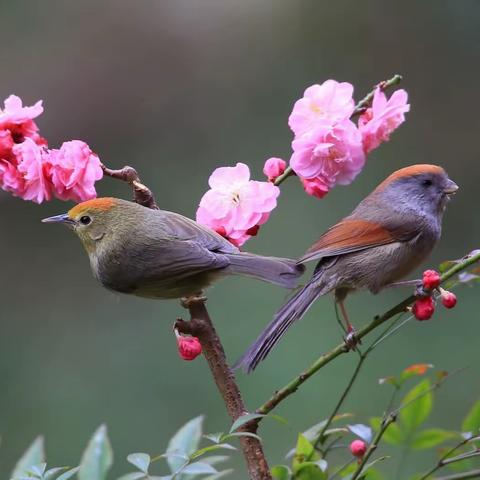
(420, 291)
(351, 339)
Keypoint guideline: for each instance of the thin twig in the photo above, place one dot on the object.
(343, 348)
(461, 476)
(141, 193)
(444, 459)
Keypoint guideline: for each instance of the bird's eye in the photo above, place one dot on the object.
(427, 182)
(85, 220)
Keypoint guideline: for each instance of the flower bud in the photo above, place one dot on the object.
(315, 187)
(274, 167)
(423, 308)
(358, 448)
(431, 279)
(189, 348)
(449, 299)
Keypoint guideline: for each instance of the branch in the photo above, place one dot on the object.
(461, 476)
(446, 459)
(360, 107)
(201, 326)
(141, 193)
(342, 348)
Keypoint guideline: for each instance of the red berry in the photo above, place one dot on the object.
(449, 299)
(423, 308)
(431, 279)
(358, 448)
(189, 348)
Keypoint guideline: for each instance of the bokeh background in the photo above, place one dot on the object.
(177, 88)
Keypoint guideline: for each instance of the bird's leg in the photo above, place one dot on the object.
(186, 302)
(404, 283)
(351, 339)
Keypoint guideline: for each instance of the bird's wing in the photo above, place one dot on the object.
(352, 235)
(182, 228)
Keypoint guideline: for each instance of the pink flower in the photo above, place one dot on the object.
(18, 120)
(74, 170)
(331, 153)
(379, 121)
(315, 186)
(29, 180)
(330, 101)
(274, 167)
(236, 205)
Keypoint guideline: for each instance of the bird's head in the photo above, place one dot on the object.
(424, 187)
(93, 220)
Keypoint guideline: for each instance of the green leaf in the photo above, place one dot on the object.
(218, 475)
(369, 465)
(471, 423)
(310, 471)
(431, 438)
(393, 435)
(215, 459)
(240, 434)
(418, 405)
(281, 472)
(97, 457)
(69, 474)
(140, 460)
(34, 455)
(198, 468)
(372, 474)
(214, 437)
(134, 476)
(212, 448)
(240, 421)
(304, 448)
(184, 442)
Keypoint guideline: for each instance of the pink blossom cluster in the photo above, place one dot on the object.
(28, 169)
(329, 148)
(236, 206)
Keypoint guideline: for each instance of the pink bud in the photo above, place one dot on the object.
(189, 348)
(358, 448)
(253, 230)
(315, 187)
(431, 279)
(274, 167)
(449, 299)
(423, 308)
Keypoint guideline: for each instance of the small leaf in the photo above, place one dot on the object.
(215, 459)
(218, 475)
(362, 431)
(53, 473)
(431, 438)
(240, 421)
(33, 456)
(393, 435)
(281, 472)
(471, 423)
(140, 460)
(135, 476)
(418, 405)
(198, 468)
(304, 447)
(37, 470)
(309, 471)
(184, 442)
(97, 457)
(388, 380)
(69, 474)
(240, 434)
(212, 448)
(414, 370)
(214, 437)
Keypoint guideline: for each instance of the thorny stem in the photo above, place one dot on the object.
(360, 107)
(444, 460)
(343, 348)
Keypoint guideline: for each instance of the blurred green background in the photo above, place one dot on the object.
(177, 88)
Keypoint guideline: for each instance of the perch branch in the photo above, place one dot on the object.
(342, 348)
(201, 326)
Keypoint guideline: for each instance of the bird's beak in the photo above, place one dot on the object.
(450, 188)
(63, 218)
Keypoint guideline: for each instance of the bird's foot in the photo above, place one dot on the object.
(186, 302)
(420, 291)
(351, 340)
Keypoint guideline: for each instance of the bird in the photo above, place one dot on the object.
(159, 254)
(389, 234)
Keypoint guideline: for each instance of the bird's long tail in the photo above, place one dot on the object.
(279, 271)
(292, 311)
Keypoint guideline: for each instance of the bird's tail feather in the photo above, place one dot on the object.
(292, 311)
(279, 271)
